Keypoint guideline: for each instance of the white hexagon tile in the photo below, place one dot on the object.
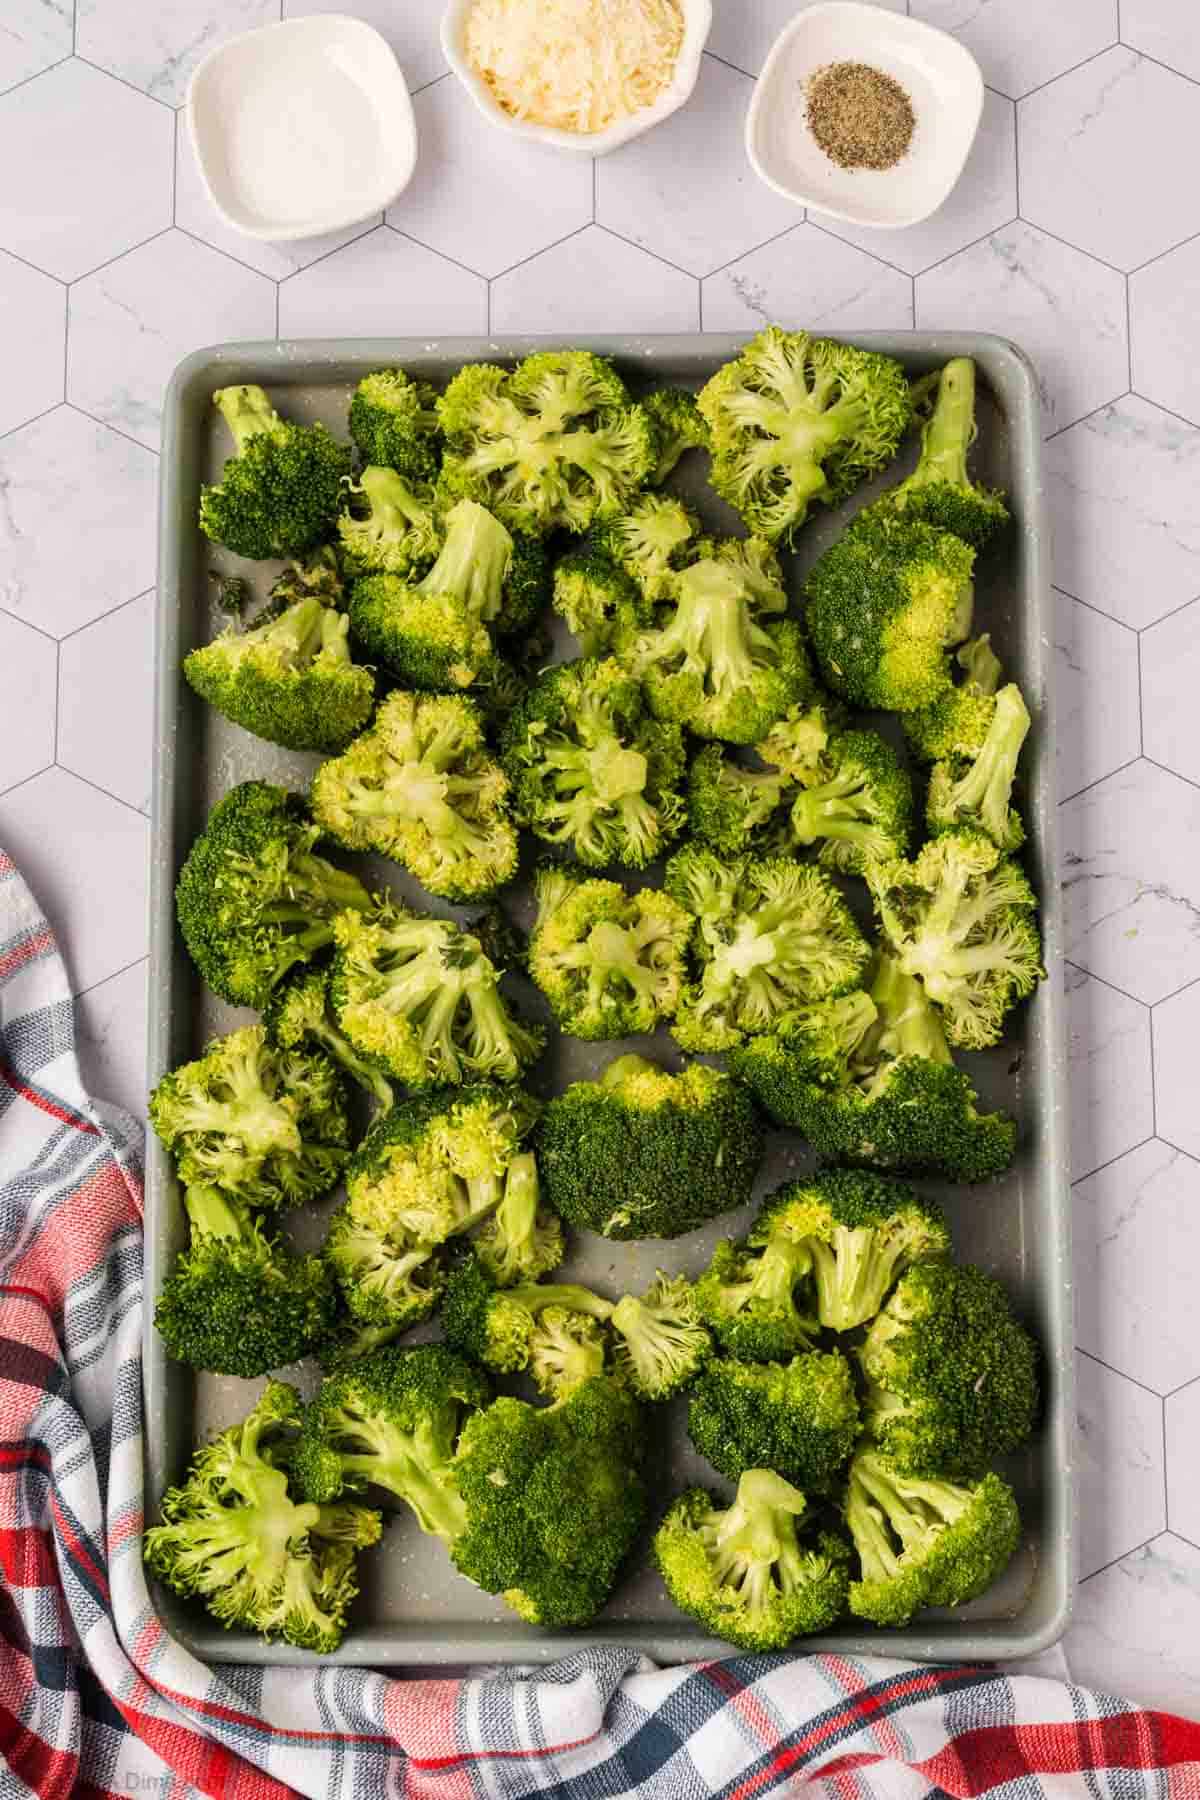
(28, 676)
(382, 285)
(808, 278)
(110, 1037)
(33, 330)
(1176, 1021)
(1170, 662)
(1112, 1080)
(1122, 1502)
(1137, 1625)
(155, 48)
(1183, 1473)
(1099, 701)
(36, 34)
(1017, 51)
(1164, 330)
(110, 746)
(569, 287)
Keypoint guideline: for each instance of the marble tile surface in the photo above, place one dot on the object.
(1075, 231)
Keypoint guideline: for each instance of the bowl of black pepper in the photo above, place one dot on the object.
(864, 114)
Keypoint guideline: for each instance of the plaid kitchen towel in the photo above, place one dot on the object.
(97, 1700)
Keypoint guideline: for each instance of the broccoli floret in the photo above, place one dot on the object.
(522, 1240)
(591, 772)
(265, 1126)
(554, 1498)
(979, 792)
(238, 1301)
(233, 592)
(962, 918)
(433, 634)
(861, 1231)
(566, 1349)
(715, 667)
(939, 490)
(650, 542)
(958, 721)
(314, 577)
(498, 1327)
(387, 526)
(420, 995)
(859, 806)
(389, 1281)
(924, 1543)
(952, 1377)
(254, 899)
(886, 603)
(796, 419)
(298, 1016)
(278, 493)
(770, 934)
(393, 1422)
(869, 1078)
(393, 421)
(799, 1418)
(641, 1153)
(599, 602)
(349, 1339)
(732, 807)
(610, 963)
(420, 786)
(554, 444)
(662, 1341)
(679, 426)
(751, 1298)
(742, 1571)
(233, 1535)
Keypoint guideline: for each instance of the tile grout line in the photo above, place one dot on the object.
(106, 425)
(1103, 981)
(82, 993)
(132, 86)
(107, 792)
(1121, 1374)
(1041, 86)
(1153, 1079)
(1077, 1181)
(1135, 1550)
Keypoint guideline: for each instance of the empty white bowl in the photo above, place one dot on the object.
(697, 23)
(942, 80)
(302, 127)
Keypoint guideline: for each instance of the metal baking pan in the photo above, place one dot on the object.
(414, 1609)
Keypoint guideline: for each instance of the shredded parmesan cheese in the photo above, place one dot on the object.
(581, 65)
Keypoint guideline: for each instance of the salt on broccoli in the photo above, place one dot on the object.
(678, 426)
(662, 1342)
(886, 604)
(265, 1126)
(923, 1542)
(610, 963)
(238, 1301)
(952, 1375)
(600, 604)
(962, 919)
(278, 493)
(234, 1535)
(254, 898)
(642, 1153)
(956, 723)
(757, 1299)
(650, 543)
(868, 1077)
(388, 526)
(420, 995)
(770, 934)
(857, 805)
(797, 418)
(421, 787)
(799, 1418)
(394, 423)
(940, 490)
(553, 444)
(744, 1572)
(592, 773)
(298, 1016)
(978, 792)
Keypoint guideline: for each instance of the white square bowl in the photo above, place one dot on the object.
(942, 80)
(697, 23)
(302, 127)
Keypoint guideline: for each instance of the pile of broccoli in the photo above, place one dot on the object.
(853, 1383)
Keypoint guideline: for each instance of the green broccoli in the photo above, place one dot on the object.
(713, 665)
(254, 899)
(499, 1326)
(755, 562)
(317, 576)
(553, 444)
(522, 1240)
(952, 1377)
(924, 1543)
(858, 807)
(238, 1301)
(962, 918)
(795, 419)
(886, 603)
(591, 772)
(678, 425)
(233, 592)
(956, 723)
(940, 491)
(979, 792)
(298, 1016)
(420, 786)
(650, 543)
(751, 1296)
(737, 808)
(349, 1339)
(662, 1342)
(566, 1349)
(868, 1078)
(234, 1536)
(601, 605)
(641, 1153)
(394, 423)
(265, 1126)
(278, 494)
(770, 934)
(743, 1572)
(388, 526)
(420, 995)
(610, 963)
(799, 1418)
(389, 1280)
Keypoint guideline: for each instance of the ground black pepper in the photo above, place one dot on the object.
(861, 118)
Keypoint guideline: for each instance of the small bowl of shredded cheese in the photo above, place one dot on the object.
(583, 75)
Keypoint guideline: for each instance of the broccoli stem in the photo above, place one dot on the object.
(950, 430)
(394, 506)
(247, 412)
(516, 1215)
(839, 808)
(611, 952)
(753, 1544)
(986, 788)
(661, 1348)
(535, 1297)
(473, 562)
(980, 663)
(313, 879)
(212, 1214)
(908, 1024)
(779, 1268)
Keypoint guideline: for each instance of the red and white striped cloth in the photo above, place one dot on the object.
(96, 1700)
